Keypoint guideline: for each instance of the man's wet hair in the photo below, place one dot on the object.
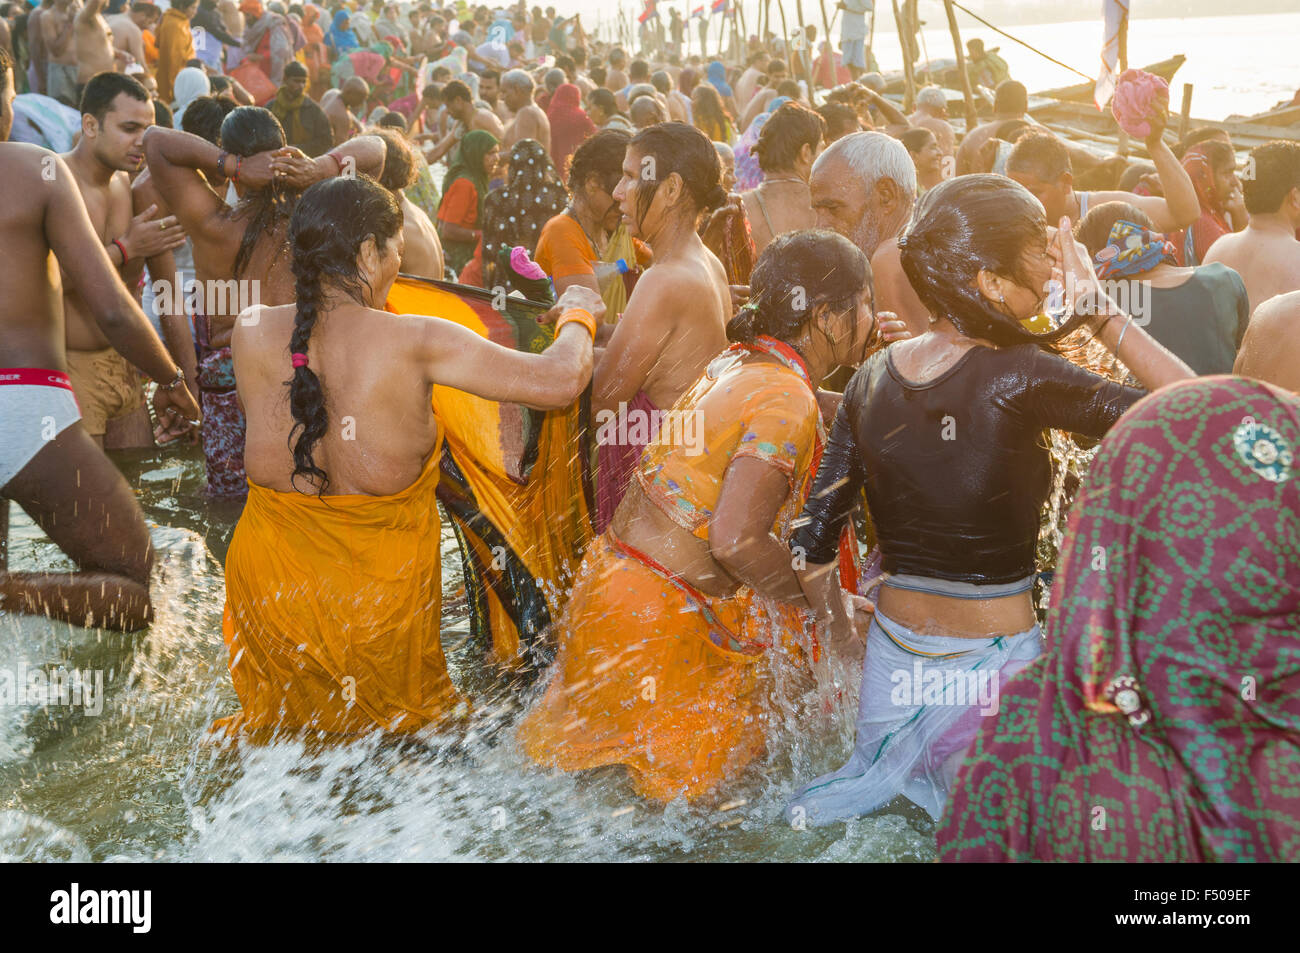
(456, 90)
(841, 119)
(399, 162)
(1011, 98)
(393, 120)
(784, 135)
(1277, 172)
(1040, 154)
(97, 98)
(204, 115)
(294, 68)
(602, 156)
(1195, 137)
(603, 98)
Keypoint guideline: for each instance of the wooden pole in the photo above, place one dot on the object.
(1122, 145)
(871, 37)
(805, 55)
(785, 32)
(972, 117)
(1185, 114)
(909, 80)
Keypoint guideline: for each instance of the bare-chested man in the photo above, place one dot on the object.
(128, 29)
(529, 120)
(48, 463)
(93, 42)
(615, 77)
(57, 26)
(1270, 351)
(422, 251)
(464, 116)
(1266, 253)
(37, 56)
(240, 255)
(342, 106)
(117, 113)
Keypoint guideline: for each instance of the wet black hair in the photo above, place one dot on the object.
(914, 139)
(294, 68)
(456, 90)
(970, 224)
(785, 133)
(330, 224)
(102, 88)
(1199, 134)
(677, 147)
(603, 98)
(392, 120)
(162, 114)
(204, 115)
(399, 160)
(246, 131)
(841, 120)
(1277, 172)
(796, 273)
(601, 156)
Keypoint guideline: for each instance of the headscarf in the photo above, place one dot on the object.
(1195, 240)
(1132, 250)
(1163, 721)
(570, 124)
(748, 174)
(467, 163)
(190, 84)
(718, 78)
(513, 216)
(337, 38)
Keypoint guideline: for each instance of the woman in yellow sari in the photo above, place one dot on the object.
(664, 646)
(333, 579)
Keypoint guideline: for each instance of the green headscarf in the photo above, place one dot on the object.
(467, 163)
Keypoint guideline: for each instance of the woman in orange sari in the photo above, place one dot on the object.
(333, 576)
(315, 56)
(664, 647)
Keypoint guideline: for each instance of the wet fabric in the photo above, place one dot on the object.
(922, 701)
(618, 456)
(564, 249)
(1162, 724)
(1132, 249)
(956, 470)
(224, 426)
(1202, 320)
(107, 387)
(515, 484)
(36, 405)
(654, 675)
(1192, 243)
(333, 612)
(728, 236)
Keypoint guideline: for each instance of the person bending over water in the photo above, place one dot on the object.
(49, 464)
(239, 254)
(663, 648)
(676, 318)
(333, 577)
(946, 434)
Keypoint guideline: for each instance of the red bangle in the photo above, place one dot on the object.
(337, 161)
(122, 249)
(239, 161)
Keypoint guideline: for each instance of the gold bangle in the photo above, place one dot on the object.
(579, 315)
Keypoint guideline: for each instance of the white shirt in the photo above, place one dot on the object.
(854, 26)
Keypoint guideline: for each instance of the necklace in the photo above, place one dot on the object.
(569, 210)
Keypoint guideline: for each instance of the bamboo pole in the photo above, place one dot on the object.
(805, 58)
(909, 80)
(1185, 114)
(785, 41)
(972, 117)
(1122, 147)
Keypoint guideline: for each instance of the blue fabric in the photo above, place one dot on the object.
(718, 77)
(337, 38)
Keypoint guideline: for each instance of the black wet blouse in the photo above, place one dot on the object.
(956, 470)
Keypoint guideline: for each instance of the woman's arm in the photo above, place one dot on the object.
(552, 380)
(638, 339)
(740, 532)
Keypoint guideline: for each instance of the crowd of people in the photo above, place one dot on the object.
(832, 335)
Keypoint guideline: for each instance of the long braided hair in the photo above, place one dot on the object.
(333, 219)
(247, 131)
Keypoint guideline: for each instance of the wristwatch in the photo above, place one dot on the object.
(177, 382)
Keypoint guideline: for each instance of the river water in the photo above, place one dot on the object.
(138, 781)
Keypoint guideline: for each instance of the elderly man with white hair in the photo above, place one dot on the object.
(864, 187)
(932, 113)
(529, 120)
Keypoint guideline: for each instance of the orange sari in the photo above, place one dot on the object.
(653, 674)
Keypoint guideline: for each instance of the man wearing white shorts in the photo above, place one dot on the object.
(853, 34)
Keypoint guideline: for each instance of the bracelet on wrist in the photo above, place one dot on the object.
(176, 382)
(579, 316)
(122, 248)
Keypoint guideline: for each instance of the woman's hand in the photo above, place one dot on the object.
(1072, 269)
(892, 328)
(848, 626)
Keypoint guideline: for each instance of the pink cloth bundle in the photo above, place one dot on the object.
(1138, 97)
